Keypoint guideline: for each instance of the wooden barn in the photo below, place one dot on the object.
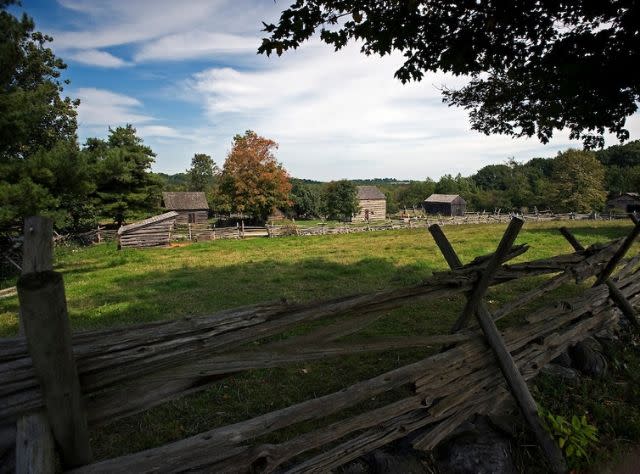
(152, 232)
(192, 207)
(373, 204)
(626, 202)
(445, 204)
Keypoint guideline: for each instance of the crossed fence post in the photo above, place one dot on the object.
(476, 305)
(605, 276)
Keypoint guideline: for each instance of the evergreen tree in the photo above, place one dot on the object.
(122, 173)
(40, 170)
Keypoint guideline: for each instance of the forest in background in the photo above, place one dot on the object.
(572, 181)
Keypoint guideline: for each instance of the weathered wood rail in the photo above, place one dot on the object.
(122, 371)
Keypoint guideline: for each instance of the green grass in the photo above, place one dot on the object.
(106, 287)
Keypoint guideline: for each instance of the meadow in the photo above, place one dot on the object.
(106, 287)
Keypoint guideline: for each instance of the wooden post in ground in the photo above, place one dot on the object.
(512, 375)
(614, 292)
(620, 253)
(485, 279)
(35, 450)
(43, 310)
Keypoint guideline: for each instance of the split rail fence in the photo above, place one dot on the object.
(54, 385)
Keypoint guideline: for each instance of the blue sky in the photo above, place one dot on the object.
(187, 76)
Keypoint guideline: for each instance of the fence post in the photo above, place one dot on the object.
(614, 292)
(35, 450)
(621, 252)
(43, 309)
(512, 375)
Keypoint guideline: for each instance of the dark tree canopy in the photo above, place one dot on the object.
(40, 167)
(535, 66)
(122, 173)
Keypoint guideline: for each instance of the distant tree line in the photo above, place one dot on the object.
(573, 181)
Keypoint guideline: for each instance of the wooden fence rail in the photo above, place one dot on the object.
(126, 370)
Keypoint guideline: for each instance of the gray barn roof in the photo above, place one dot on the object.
(150, 220)
(185, 201)
(443, 198)
(370, 192)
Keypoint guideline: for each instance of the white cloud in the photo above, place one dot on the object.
(161, 131)
(121, 22)
(166, 29)
(101, 108)
(98, 58)
(195, 44)
(344, 115)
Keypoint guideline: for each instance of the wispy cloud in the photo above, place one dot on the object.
(195, 44)
(343, 114)
(121, 22)
(102, 108)
(94, 57)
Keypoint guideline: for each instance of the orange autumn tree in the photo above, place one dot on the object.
(252, 181)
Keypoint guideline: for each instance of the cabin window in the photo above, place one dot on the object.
(192, 218)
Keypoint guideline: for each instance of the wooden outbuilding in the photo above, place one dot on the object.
(626, 202)
(373, 204)
(192, 207)
(152, 232)
(445, 204)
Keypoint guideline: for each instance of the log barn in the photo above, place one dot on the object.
(373, 204)
(192, 207)
(626, 202)
(152, 232)
(445, 204)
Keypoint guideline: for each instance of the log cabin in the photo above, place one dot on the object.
(192, 207)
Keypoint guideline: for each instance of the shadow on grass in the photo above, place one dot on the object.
(108, 295)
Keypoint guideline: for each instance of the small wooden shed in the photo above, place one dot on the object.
(626, 202)
(152, 232)
(445, 204)
(373, 204)
(192, 207)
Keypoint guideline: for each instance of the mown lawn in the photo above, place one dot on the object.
(106, 287)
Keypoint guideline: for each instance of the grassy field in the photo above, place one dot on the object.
(106, 287)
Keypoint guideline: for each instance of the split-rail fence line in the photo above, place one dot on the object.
(54, 385)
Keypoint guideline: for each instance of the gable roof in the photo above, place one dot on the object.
(370, 192)
(185, 201)
(626, 195)
(150, 220)
(443, 198)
